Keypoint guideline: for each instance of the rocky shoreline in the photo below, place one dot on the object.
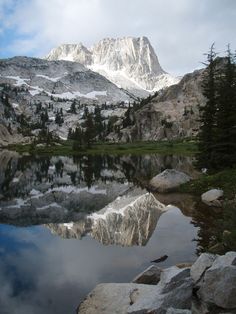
(207, 286)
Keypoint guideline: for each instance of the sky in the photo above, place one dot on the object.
(180, 31)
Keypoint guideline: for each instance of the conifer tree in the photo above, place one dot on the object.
(208, 112)
(90, 131)
(225, 149)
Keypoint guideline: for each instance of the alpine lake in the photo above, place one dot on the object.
(57, 242)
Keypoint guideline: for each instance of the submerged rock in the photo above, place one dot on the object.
(212, 197)
(168, 180)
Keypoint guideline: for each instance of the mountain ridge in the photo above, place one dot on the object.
(130, 63)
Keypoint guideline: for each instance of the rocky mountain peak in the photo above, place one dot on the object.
(127, 53)
(129, 62)
(71, 52)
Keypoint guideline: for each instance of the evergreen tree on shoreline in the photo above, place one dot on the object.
(225, 149)
(208, 112)
(217, 136)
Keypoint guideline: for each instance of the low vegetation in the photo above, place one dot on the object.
(66, 148)
(225, 180)
(221, 223)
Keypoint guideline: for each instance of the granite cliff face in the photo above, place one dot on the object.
(128, 62)
(172, 114)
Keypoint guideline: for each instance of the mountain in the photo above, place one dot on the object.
(172, 114)
(61, 79)
(30, 87)
(128, 62)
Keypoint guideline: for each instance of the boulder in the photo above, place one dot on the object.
(168, 180)
(204, 262)
(113, 298)
(173, 290)
(219, 282)
(211, 197)
(150, 276)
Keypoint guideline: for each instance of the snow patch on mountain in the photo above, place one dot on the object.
(130, 63)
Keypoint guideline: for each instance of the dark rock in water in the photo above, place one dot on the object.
(161, 259)
(150, 276)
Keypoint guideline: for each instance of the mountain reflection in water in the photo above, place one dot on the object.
(54, 201)
(39, 190)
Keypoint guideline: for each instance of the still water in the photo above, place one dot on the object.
(56, 241)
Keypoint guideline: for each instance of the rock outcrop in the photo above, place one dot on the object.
(174, 289)
(172, 114)
(212, 277)
(219, 283)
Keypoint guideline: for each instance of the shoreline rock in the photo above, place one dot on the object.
(212, 197)
(208, 286)
(168, 180)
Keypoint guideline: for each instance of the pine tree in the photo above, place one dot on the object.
(226, 114)
(59, 118)
(208, 112)
(90, 131)
(98, 122)
(73, 107)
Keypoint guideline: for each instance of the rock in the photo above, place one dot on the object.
(171, 310)
(219, 283)
(204, 262)
(211, 197)
(168, 180)
(113, 298)
(164, 117)
(184, 265)
(173, 290)
(150, 276)
(173, 277)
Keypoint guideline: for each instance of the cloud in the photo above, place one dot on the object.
(180, 31)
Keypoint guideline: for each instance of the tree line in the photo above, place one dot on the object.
(217, 136)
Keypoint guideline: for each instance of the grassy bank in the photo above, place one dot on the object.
(218, 224)
(66, 148)
(225, 180)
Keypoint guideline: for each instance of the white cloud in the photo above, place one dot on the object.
(180, 31)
